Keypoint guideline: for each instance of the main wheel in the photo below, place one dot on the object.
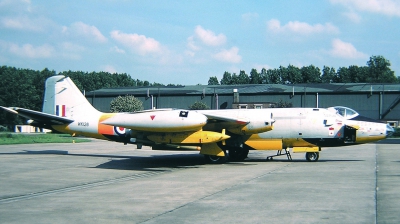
(215, 159)
(312, 156)
(238, 154)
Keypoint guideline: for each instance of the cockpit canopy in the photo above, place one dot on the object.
(344, 112)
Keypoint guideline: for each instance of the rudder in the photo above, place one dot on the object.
(64, 99)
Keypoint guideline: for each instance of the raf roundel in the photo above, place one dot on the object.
(119, 130)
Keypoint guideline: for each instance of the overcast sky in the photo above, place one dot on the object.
(186, 42)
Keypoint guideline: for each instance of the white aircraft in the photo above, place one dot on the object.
(214, 133)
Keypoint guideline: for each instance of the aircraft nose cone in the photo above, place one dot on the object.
(389, 130)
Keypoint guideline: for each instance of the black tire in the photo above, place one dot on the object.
(215, 159)
(238, 154)
(312, 156)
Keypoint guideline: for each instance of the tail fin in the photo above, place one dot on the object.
(64, 99)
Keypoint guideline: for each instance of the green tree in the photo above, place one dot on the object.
(243, 78)
(198, 105)
(213, 81)
(291, 74)
(255, 77)
(156, 84)
(328, 75)
(263, 76)
(357, 74)
(138, 82)
(226, 79)
(282, 71)
(311, 74)
(379, 70)
(175, 84)
(127, 103)
(342, 75)
(273, 77)
(235, 79)
(124, 80)
(294, 74)
(17, 88)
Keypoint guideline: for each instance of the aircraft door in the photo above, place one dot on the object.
(349, 134)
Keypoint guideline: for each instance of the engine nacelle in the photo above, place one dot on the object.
(254, 127)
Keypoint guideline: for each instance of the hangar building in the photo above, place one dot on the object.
(377, 101)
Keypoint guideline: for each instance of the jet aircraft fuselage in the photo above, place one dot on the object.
(215, 133)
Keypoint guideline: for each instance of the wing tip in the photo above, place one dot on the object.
(9, 109)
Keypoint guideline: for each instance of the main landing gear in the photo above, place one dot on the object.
(234, 155)
(215, 159)
(238, 154)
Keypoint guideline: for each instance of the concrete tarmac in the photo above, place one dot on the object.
(106, 182)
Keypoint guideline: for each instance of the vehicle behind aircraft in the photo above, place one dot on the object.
(217, 134)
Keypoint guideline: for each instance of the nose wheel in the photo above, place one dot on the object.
(312, 156)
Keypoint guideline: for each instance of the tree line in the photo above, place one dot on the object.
(25, 87)
(377, 70)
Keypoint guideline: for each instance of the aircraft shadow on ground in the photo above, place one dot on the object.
(164, 162)
(155, 162)
(151, 163)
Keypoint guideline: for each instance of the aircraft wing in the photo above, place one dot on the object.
(38, 117)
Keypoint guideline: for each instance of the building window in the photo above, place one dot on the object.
(242, 106)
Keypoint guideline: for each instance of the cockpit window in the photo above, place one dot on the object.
(344, 112)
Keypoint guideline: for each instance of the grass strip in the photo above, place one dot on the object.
(8, 138)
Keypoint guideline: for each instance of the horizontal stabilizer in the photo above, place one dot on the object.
(37, 116)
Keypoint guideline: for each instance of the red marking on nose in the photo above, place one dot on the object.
(152, 117)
